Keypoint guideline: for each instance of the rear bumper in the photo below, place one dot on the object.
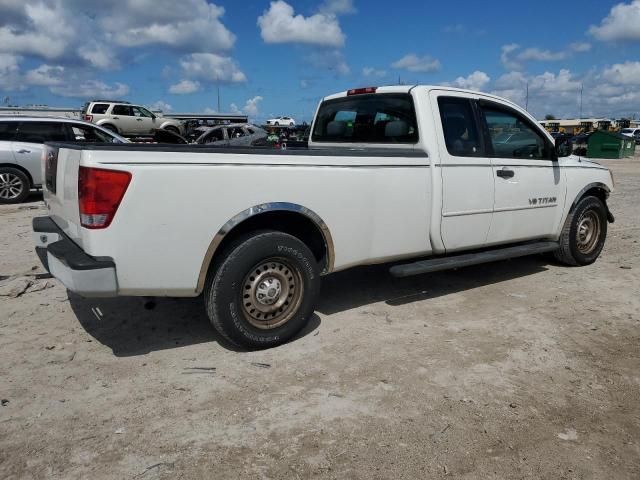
(79, 272)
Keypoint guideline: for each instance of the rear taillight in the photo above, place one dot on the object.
(87, 118)
(361, 91)
(100, 192)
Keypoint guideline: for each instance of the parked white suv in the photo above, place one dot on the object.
(282, 121)
(21, 142)
(128, 119)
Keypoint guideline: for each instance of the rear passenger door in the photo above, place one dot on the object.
(529, 184)
(467, 181)
(27, 146)
(7, 134)
(124, 119)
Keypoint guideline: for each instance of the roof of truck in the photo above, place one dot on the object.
(408, 88)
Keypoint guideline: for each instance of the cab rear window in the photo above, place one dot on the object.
(377, 118)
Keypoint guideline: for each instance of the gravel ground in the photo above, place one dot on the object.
(518, 369)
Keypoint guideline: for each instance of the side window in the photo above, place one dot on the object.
(40, 132)
(377, 118)
(236, 132)
(8, 130)
(83, 133)
(512, 136)
(459, 127)
(100, 108)
(124, 110)
(141, 112)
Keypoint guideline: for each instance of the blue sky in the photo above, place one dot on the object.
(280, 58)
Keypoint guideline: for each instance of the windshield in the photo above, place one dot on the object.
(627, 130)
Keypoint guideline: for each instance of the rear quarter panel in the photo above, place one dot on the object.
(377, 209)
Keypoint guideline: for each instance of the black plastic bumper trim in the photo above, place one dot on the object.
(45, 225)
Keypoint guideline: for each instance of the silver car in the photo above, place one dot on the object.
(233, 135)
(21, 140)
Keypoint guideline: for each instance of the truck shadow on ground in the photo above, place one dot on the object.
(130, 327)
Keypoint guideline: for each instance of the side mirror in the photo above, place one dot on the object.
(564, 146)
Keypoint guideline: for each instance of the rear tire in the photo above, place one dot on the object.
(172, 130)
(110, 127)
(263, 289)
(584, 233)
(14, 185)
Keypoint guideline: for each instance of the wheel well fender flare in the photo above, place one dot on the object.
(264, 208)
(601, 191)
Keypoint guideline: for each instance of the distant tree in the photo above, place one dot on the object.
(548, 116)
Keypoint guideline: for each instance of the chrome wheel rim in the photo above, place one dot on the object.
(588, 232)
(271, 293)
(11, 186)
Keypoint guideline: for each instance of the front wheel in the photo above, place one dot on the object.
(584, 233)
(263, 290)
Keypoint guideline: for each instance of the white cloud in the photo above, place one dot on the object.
(580, 47)
(338, 7)
(187, 24)
(185, 87)
(99, 55)
(627, 73)
(622, 23)
(39, 29)
(539, 55)
(413, 63)
(212, 67)
(45, 75)
(513, 58)
(250, 107)
(279, 24)
(475, 81)
(91, 89)
(10, 78)
(160, 106)
(373, 72)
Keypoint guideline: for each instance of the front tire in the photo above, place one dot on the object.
(584, 233)
(14, 185)
(263, 290)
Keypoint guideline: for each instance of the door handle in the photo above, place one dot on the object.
(504, 172)
(116, 118)
(138, 119)
(22, 150)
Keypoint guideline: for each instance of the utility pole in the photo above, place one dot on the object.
(218, 98)
(526, 103)
(581, 89)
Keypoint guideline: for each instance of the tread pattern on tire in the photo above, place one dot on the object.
(218, 268)
(564, 254)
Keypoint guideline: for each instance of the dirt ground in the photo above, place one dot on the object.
(518, 369)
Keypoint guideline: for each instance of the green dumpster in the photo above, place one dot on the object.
(603, 144)
(629, 148)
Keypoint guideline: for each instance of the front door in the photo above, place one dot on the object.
(145, 120)
(467, 181)
(529, 184)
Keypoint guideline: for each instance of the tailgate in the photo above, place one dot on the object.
(60, 189)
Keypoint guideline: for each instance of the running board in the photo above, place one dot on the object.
(466, 260)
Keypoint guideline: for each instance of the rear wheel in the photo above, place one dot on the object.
(584, 233)
(110, 127)
(14, 185)
(263, 289)
(277, 124)
(172, 129)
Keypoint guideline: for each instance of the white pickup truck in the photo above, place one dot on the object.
(428, 178)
